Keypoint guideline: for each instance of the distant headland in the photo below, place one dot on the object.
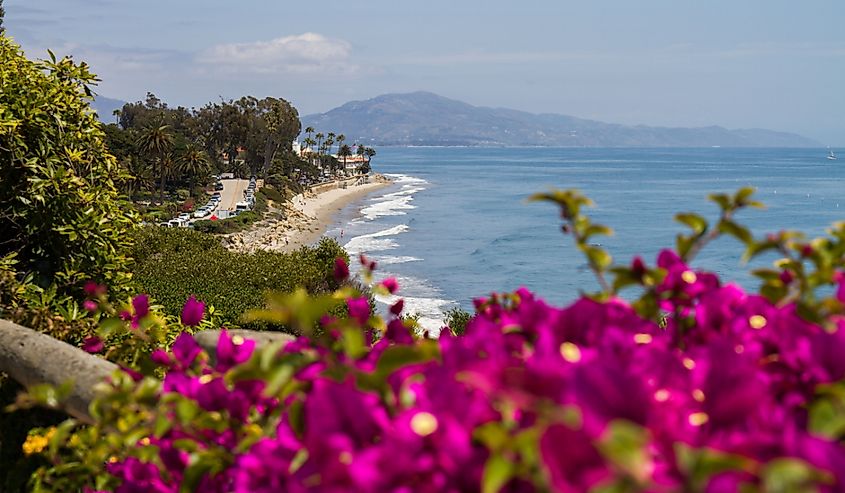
(427, 119)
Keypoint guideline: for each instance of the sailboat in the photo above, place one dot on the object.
(831, 155)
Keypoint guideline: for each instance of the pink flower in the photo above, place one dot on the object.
(232, 351)
(93, 289)
(359, 309)
(92, 344)
(390, 285)
(397, 307)
(141, 305)
(90, 305)
(192, 312)
(341, 270)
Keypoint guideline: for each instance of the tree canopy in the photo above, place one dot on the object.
(61, 217)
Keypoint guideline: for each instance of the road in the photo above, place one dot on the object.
(232, 193)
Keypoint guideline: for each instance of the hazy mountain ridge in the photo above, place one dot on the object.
(423, 118)
(105, 107)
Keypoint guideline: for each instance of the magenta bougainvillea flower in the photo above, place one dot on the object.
(193, 311)
(92, 344)
(141, 307)
(532, 396)
(341, 270)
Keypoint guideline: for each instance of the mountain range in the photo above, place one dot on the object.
(105, 107)
(427, 119)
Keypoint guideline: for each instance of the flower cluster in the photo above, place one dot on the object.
(696, 386)
(533, 397)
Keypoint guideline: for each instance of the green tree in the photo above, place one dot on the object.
(344, 152)
(156, 142)
(193, 163)
(61, 218)
(329, 142)
(281, 121)
(319, 137)
(2, 16)
(369, 152)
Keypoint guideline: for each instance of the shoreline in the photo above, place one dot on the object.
(309, 215)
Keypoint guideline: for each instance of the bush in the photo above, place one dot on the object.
(457, 319)
(228, 225)
(695, 386)
(174, 263)
(60, 214)
(272, 194)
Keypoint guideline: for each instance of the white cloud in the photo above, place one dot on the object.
(303, 53)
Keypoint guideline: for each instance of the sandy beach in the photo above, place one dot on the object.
(307, 217)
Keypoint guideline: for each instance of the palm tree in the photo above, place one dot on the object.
(193, 162)
(319, 138)
(308, 132)
(116, 114)
(309, 143)
(329, 141)
(343, 152)
(370, 152)
(340, 140)
(157, 142)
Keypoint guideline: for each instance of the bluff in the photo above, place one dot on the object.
(423, 118)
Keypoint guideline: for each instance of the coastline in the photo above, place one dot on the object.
(308, 216)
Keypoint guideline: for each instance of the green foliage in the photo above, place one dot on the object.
(173, 263)
(59, 208)
(272, 194)
(457, 320)
(228, 225)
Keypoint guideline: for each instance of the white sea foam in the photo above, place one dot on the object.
(393, 207)
(399, 178)
(375, 242)
(429, 311)
(405, 190)
(391, 259)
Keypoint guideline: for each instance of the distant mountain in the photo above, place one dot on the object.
(423, 118)
(105, 107)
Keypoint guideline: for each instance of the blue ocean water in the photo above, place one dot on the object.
(456, 226)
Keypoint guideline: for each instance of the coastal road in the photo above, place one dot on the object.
(232, 193)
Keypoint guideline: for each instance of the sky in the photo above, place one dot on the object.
(772, 64)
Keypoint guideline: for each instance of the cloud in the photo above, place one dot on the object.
(300, 54)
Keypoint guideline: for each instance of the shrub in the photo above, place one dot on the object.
(174, 263)
(272, 194)
(695, 386)
(457, 319)
(228, 225)
(60, 213)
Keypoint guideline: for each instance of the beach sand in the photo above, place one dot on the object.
(308, 217)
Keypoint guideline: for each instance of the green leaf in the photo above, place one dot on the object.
(625, 444)
(742, 195)
(788, 475)
(277, 379)
(598, 257)
(723, 200)
(697, 223)
(497, 472)
(739, 232)
(699, 465)
(597, 229)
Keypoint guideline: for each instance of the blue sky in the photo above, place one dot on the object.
(771, 64)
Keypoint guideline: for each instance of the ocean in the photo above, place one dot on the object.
(455, 225)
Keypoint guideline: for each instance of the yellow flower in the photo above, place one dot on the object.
(35, 444)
